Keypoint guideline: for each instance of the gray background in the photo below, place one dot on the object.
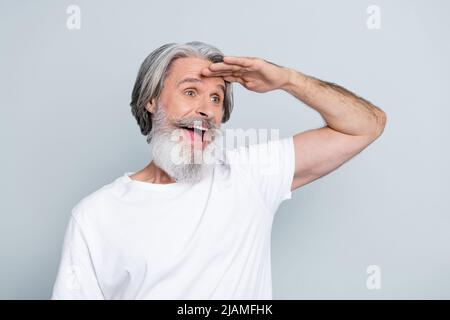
(66, 130)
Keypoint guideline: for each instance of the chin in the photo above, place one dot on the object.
(183, 161)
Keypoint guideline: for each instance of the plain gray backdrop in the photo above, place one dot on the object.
(66, 130)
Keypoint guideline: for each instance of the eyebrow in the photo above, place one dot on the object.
(198, 80)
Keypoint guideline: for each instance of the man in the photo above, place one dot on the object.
(187, 228)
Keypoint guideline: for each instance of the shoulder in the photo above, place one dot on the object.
(96, 202)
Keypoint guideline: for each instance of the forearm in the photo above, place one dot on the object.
(341, 109)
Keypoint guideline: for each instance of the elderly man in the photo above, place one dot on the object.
(187, 228)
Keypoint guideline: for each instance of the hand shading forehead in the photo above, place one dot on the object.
(189, 70)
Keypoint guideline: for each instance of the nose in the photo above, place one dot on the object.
(204, 111)
(203, 114)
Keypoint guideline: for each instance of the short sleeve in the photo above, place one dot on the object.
(271, 165)
(76, 278)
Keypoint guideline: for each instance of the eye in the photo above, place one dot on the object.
(189, 91)
(218, 99)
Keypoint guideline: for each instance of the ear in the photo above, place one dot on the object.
(150, 106)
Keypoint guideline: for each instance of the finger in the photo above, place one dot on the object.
(224, 74)
(233, 79)
(220, 66)
(241, 61)
(209, 73)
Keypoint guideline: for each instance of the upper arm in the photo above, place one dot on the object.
(76, 278)
(320, 151)
(270, 167)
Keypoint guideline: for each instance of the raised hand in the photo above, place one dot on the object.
(255, 74)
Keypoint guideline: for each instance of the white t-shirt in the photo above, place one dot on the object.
(137, 240)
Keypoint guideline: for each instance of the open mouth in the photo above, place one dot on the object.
(193, 131)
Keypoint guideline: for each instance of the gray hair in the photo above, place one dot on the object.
(153, 71)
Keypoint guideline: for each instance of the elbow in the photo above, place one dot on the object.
(380, 123)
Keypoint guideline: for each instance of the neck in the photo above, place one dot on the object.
(152, 174)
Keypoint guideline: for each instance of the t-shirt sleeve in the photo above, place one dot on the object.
(76, 278)
(271, 165)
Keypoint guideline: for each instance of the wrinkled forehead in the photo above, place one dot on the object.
(183, 69)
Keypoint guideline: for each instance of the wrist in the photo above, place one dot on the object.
(295, 79)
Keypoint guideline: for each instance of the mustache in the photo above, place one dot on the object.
(190, 121)
(164, 124)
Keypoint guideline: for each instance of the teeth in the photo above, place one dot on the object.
(197, 127)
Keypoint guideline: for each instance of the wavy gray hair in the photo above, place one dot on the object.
(153, 71)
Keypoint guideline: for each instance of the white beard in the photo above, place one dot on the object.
(180, 159)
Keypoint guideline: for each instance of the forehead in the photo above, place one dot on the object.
(191, 67)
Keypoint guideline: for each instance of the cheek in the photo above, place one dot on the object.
(184, 101)
(220, 113)
(218, 118)
(177, 105)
